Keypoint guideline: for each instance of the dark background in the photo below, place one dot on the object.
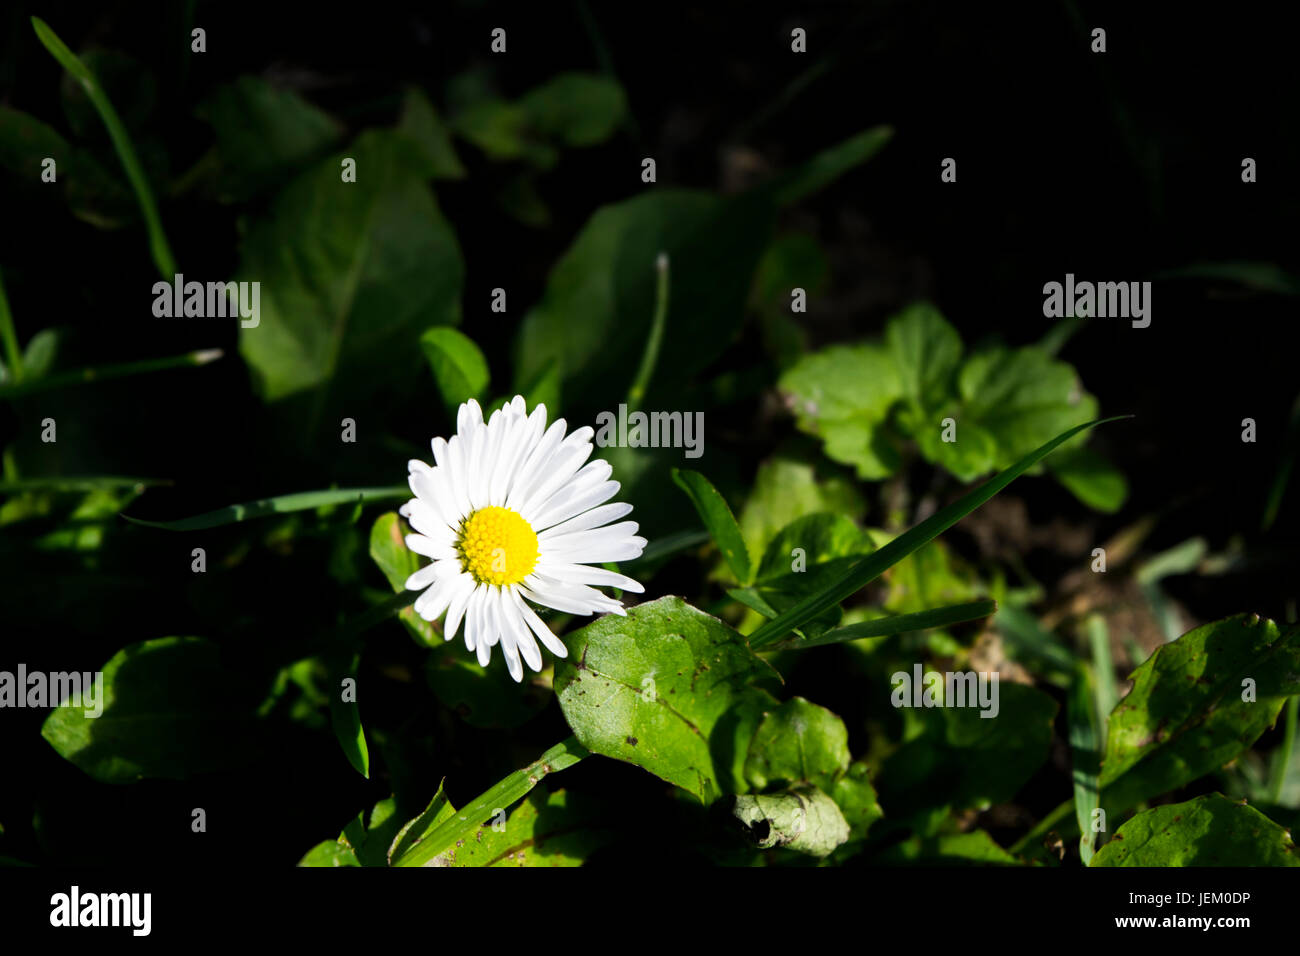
(1114, 167)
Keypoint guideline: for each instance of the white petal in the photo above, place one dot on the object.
(429, 548)
(582, 574)
(538, 626)
(421, 578)
(464, 587)
(588, 519)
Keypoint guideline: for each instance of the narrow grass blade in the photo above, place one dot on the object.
(876, 563)
(667, 546)
(718, 519)
(471, 816)
(300, 501)
(86, 376)
(94, 483)
(1086, 739)
(162, 254)
(898, 624)
(13, 354)
(650, 357)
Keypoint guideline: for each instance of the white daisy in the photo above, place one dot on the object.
(510, 514)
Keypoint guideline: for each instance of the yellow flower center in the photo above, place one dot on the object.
(498, 546)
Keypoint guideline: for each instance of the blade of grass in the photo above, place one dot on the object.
(876, 563)
(1099, 642)
(718, 519)
(13, 354)
(1283, 760)
(1086, 736)
(499, 797)
(650, 356)
(104, 372)
(897, 624)
(299, 501)
(94, 483)
(162, 254)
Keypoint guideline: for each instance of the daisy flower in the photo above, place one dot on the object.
(511, 517)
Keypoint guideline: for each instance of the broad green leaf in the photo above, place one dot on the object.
(41, 351)
(667, 688)
(798, 742)
(718, 519)
(264, 134)
(596, 312)
(785, 489)
(171, 709)
(330, 853)
(458, 366)
(1010, 401)
(300, 501)
(456, 830)
(398, 562)
(1208, 831)
(926, 350)
(976, 848)
(843, 395)
(876, 563)
(1090, 478)
(556, 829)
(351, 273)
(804, 820)
(484, 696)
(1186, 716)
(421, 122)
(856, 797)
(503, 132)
(575, 109)
(956, 757)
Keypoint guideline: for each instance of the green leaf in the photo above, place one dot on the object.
(956, 757)
(299, 501)
(41, 351)
(718, 519)
(458, 829)
(667, 688)
(438, 812)
(843, 395)
(798, 742)
(830, 164)
(1009, 402)
(330, 853)
(351, 273)
(264, 134)
(458, 366)
(804, 820)
(876, 563)
(345, 718)
(856, 797)
(1086, 735)
(976, 848)
(575, 109)
(1090, 478)
(597, 310)
(785, 489)
(1208, 831)
(171, 709)
(926, 350)
(420, 121)
(1185, 715)
(556, 829)
(398, 562)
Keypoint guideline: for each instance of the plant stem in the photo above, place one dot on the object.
(102, 373)
(13, 354)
